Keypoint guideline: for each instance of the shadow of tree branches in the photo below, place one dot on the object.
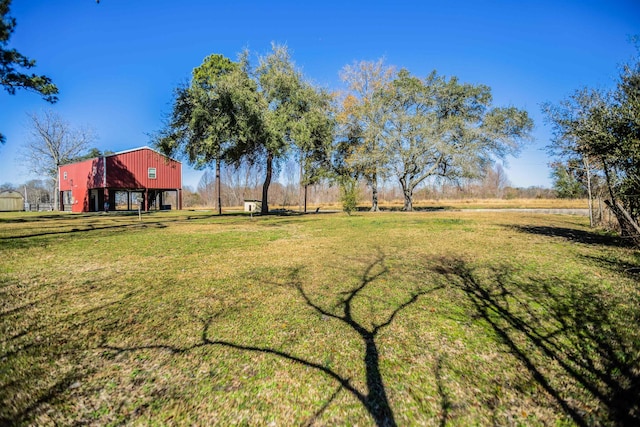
(374, 398)
(579, 343)
(629, 268)
(40, 362)
(573, 235)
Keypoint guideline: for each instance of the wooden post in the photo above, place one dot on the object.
(218, 187)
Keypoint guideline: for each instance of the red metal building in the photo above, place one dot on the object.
(141, 178)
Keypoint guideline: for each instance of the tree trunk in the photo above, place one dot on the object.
(613, 206)
(264, 210)
(56, 193)
(600, 214)
(407, 194)
(408, 199)
(374, 193)
(588, 169)
(630, 220)
(218, 186)
(305, 197)
(629, 228)
(607, 177)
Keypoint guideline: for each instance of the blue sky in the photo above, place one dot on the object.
(117, 62)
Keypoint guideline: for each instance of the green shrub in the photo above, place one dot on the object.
(349, 194)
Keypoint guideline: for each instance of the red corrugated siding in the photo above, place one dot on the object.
(126, 171)
(130, 170)
(81, 176)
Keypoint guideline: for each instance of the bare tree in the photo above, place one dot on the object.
(36, 193)
(207, 188)
(290, 184)
(242, 182)
(7, 186)
(190, 198)
(53, 142)
(494, 181)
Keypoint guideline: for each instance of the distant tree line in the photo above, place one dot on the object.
(242, 183)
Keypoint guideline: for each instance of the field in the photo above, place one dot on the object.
(448, 204)
(428, 318)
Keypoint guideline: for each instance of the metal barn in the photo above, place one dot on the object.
(141, 178)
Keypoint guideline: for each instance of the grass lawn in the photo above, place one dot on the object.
(432, 318)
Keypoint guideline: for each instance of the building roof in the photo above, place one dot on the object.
(11, 195)
(146, 147)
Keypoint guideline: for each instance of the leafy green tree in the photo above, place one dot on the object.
(296, 117)
(232, 111)
(566, 181)
(313, 136)
(362, 119)
(627, 132)
(92, 153)
(348, 193)
(572, 129)
(440, 127)
(601, 130)
(12, 64)
(213, 117)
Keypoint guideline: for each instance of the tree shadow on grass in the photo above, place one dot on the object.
(374, 399)
(573, 235)
(31, 377)
(581, 345)
(613, 263)
(77, 224)
(87, 228)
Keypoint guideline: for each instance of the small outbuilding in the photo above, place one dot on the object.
(252, 205)
(11, 201)
(141, 178)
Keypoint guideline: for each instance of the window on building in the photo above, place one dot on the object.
(152, 173)
(122, 200)
(136, 200)
(65, 176)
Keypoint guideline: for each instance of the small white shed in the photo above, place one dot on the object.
(252, 205)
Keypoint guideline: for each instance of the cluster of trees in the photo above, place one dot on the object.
(235, 111)
(399, 125)
(389, 125)
(596, 143)
(244, 182)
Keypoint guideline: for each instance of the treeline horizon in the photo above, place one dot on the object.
(239, 184)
